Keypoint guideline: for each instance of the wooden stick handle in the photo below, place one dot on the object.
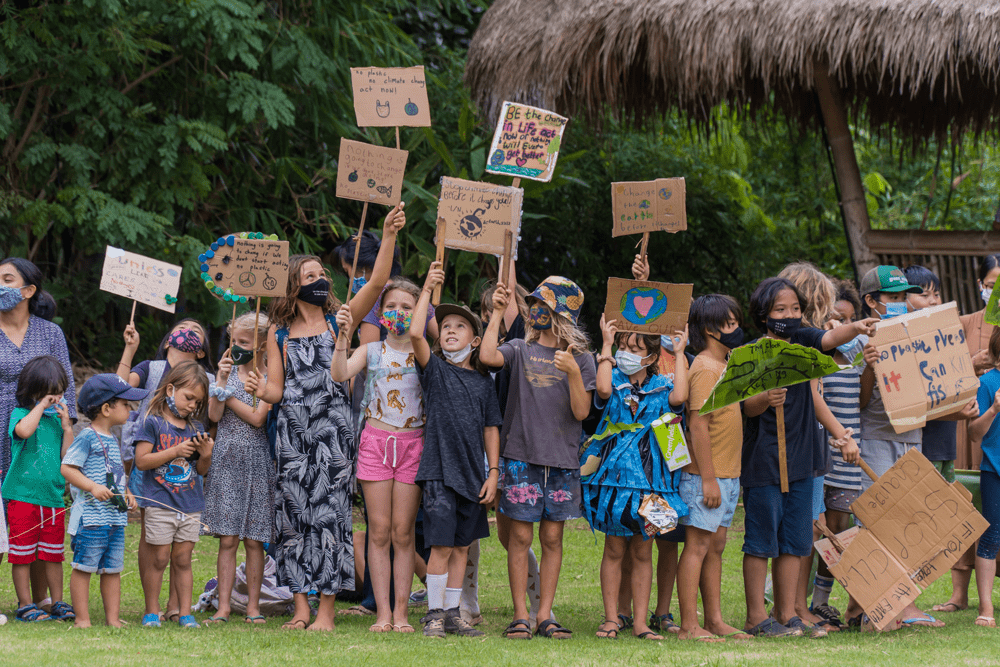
(256, 324)
(645, 244)
(828, 534)
(232, 330)
(503, 275)
(516, 183)
(439, 257)
(357, 252)
(779, 415)
(397, 137)
(131, 318)
(868, 470)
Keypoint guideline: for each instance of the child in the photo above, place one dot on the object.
(631, 391)
(394, 410)
(315, 446)
(40, 432)
(93, 464)
(463, 420)
(239, 501)
(552, 381)
(173, 451)
(779, 525)
(710, 484)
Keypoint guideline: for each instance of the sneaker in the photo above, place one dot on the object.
(827, 612)
(434, 625)
(418, 598)
(454, 624)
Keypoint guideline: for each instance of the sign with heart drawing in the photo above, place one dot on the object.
(526, 142)
(647, 307)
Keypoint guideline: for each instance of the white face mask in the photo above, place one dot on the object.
(986, 294)
(458, 356)
(629, 363)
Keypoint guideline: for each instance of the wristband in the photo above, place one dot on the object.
(492, 468)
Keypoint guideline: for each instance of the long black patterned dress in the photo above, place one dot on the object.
(316, 453)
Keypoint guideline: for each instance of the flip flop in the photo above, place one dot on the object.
(920, 621)
(705, 639)
(255, 620)
(358, 610)
(216, 619)
(943, 608)
(649, 636)
(735, 636)
(990, 622)
(294, 625)
(405, 628)
(380, 627)
(608, 633)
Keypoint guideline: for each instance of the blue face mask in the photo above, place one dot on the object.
(894, 309)
(358, 283)
(667, 343)
(9, 297)
(851, 348)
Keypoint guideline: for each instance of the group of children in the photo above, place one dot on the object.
(510, 410)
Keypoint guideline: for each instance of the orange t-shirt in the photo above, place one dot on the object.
(725, 426)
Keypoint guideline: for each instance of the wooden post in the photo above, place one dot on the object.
(397, 137)
(503, 275)
(357, 251)
(232, 328)
(516, 183)
(645, 244)
(131, 319)
(779, 416)
(439, 257)
(256, 324)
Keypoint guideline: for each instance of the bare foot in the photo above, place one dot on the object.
(116, 624)
(81, 624)
(322, 626)
(949, 607)
(701, 635)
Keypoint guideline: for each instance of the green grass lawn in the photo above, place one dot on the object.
(578, 606)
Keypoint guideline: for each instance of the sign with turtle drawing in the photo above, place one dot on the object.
(526, 142)
(370, 173)
(475, 215)
(648, 206)
(647, 307)
(390, 96)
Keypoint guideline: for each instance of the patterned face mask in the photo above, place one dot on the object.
(185, 340)
(358, 283)
(10, 297)
(241, 355)
(539, 318)
(172, 405)
(396, 321)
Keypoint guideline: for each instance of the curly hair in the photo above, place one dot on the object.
(815, 289)
(283, 310)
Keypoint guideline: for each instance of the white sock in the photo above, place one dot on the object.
(470, 584)
(451, 596)
(534, 585)
(435, 591)
(822, 587)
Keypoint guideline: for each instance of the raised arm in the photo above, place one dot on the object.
(679, 394)
(124, 370)
(274, 388)
(421, 348)
(605, 360)
(342, 368)
(489, 353)
(366, 297)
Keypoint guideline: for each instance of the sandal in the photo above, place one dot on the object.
(649, 635)
(380, 627)
(771, 628)
(625, 622)
(552, 630)
(608, 633)
(255, 620)
(812, 631)
(30, 613)
(518, 629)
(294, 624)
(60, 611)
(172, 616)
(358, 610)
(151, 621)
(663, 622)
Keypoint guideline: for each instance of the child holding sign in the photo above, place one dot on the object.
(552, 381)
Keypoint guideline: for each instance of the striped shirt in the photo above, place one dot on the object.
(842, 390)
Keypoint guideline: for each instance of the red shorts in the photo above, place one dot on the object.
(36, 533)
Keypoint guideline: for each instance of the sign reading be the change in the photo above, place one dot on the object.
(476, 215)
(140, 278)
(526, 142)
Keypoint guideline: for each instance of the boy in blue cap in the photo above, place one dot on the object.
(93, 464)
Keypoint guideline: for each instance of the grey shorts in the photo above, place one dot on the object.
(881, 455)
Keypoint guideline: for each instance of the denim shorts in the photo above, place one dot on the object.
(99, 549)
(819, 506)
(534, 493)
(779, 523)
(702, 517)
(989, 542)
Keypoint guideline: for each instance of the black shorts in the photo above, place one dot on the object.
(449, 519)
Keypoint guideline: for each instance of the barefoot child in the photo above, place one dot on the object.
(173, 451)
(710, 484)
(552, 381)
(463, 420)
(93, 464)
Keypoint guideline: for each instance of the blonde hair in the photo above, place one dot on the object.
(816, 288)
(284, 309)
(567, 332)
(403, 285)
(184, 374)
(245, 323)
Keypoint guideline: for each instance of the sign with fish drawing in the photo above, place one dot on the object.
(390, 96)
(370, 173)
(526, 142)
(475, 215)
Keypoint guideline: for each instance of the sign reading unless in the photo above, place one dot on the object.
(390, 96)
(648, 206)
(140, 278)
(526, 142)
(647, 307)
(924, 368)
(916, 526)
(475, 215)
(370, 173)
(247, 267)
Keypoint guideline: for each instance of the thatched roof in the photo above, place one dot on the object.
(919, 66)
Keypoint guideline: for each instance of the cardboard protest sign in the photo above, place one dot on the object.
(916, 526)
(390, 96)
(526, 143)
(370, 173)
(924, 368)
(140, 278)
(246, 266)
(648, 206)
(474, 215)
(647, 307)
(767, 364)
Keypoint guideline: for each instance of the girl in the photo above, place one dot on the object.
(315, 447)
(173, 451)
(552, 380)
(239, 501)
(779, 525)
(40, 433)
(185, 341)
(463, 419)
(632, 391)
(394, 409)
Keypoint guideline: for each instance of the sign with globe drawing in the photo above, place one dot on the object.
(475, 215)
(647, 307)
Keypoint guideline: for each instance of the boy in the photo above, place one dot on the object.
(710, 484)
(92, 462)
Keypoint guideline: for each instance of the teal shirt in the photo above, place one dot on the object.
(34, 476)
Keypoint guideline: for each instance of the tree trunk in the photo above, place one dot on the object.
(852, 191)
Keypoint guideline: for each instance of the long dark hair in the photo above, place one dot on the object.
(763, 298)
(40, 377)
(205, 360)
(31, 275)
(370, 245)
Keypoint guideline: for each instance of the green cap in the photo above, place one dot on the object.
(887, 278)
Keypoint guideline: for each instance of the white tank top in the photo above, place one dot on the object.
(396, 397)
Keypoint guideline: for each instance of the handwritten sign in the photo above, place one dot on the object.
(915, 527)
(390, 96)
(246, 267)
(924, 368)
(526, 143)
(143, 279)
(647, 307)
(370, 173)
(767, 364)
(648, 206)
(475, 215)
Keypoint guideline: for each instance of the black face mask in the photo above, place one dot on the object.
(241, 356)
(784, 327)
(733, 339)
(315, 293)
